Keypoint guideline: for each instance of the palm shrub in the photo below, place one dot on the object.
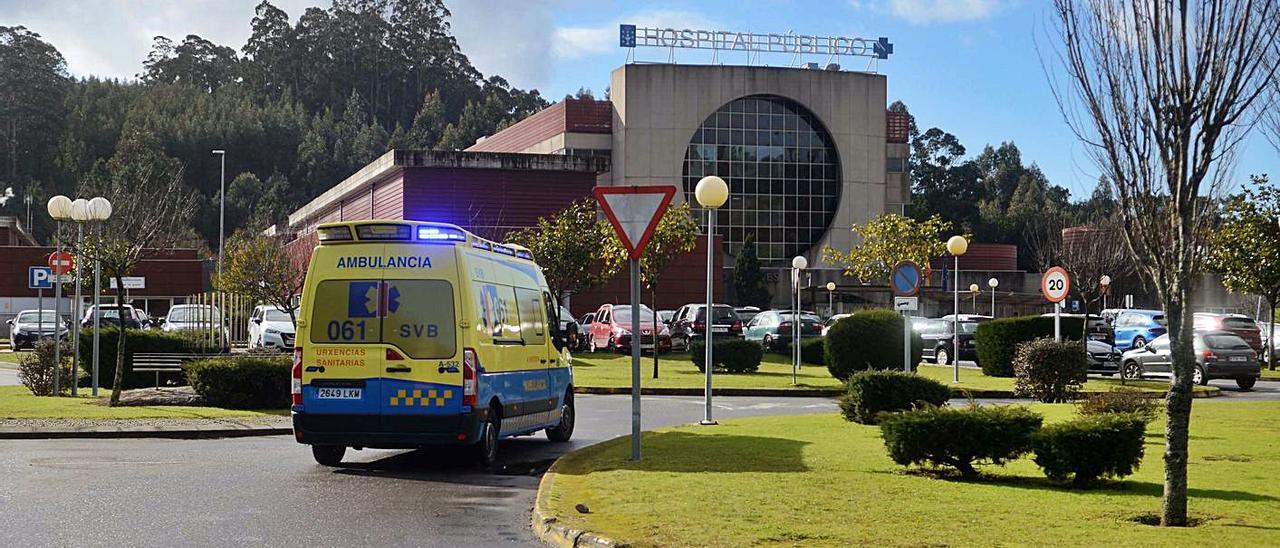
(1050, 371)
(959, 438)
(869, 339)
(870, 393)
(1091, 447)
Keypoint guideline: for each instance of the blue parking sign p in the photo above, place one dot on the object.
(39, 277)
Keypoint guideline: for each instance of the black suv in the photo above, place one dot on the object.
(939, 338)
(689, 324)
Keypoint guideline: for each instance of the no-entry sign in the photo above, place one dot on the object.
(61, 262)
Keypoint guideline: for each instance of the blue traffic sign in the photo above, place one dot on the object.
(39, 277)
(905, 279)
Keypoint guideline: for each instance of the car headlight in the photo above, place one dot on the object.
(273, 331)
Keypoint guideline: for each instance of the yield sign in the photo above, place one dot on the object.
(634, 212)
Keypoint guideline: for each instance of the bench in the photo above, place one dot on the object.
(158, 362)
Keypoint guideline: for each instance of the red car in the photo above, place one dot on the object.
(612, 330)
(1237, 324)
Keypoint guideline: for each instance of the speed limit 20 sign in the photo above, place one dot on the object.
(1055, 284)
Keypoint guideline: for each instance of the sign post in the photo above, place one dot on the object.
(634, 212)
(1055, 284)
(60, 262)
(905, 280)
(40, 278)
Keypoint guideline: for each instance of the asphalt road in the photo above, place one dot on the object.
(268, 491)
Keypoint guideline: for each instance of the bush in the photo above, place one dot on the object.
(734, 356)
(1050, 371)
(998, 340)
(136, 341)
(36, 369)
(869, 339)
(1088, 448)
(1120, 400)
(813, 351)
(959, 438)
(242, 382)
(869, 393)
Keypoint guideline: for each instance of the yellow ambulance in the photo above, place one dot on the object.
(415, 334)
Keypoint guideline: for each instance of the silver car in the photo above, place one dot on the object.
(1219, 355)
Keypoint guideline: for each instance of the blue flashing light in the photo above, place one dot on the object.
(440, 234)
(522, 254)
(481, 244)
(504, 250)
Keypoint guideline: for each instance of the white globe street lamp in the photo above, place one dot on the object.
(956, 246)
(798, 264)
(711, 193)
(60, 209)
(79, 214)
(99, 212)
(993, 284)
(831, 298)
(1105, 282)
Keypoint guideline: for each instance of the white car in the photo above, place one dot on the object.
(831, 321)
(270, 328)
(196, 317)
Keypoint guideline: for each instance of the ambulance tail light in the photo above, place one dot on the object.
(295, 388)
(470, 365)
(393, 356)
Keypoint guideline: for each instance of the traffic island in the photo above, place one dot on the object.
(818, 480)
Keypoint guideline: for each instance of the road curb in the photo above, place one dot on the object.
(548, 528)
(183, 434)
(1213, 392)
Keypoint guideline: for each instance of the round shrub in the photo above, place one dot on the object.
(36, 370)
(813, 351)
(959, 438)
(733, 356)
(869, 339)
(869, 393)
(242, 382)
(1088, 448)
(998, 340)
(1120, 400)
(1049, 370)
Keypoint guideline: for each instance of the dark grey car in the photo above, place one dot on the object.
(1219, 355)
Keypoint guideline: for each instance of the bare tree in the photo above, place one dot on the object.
(1162, 92)
(1094, 251)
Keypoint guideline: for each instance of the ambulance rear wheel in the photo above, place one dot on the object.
(328, 455)
(486, 450)
(563, 431)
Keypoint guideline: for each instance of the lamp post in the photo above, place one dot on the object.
(99, 211)
(60, 209)
(79, 214)
(831, 298)
(711, 193)
(956, 246)
(798, 264)
(1105, 282)
(222, 216)
(993, 284)
(974, 290)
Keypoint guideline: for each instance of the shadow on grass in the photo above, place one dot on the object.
(685, 452)
(1111, 487)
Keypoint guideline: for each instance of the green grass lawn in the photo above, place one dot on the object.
(12, 357)
(16, 402)
(676, 370)
(1269, 375)
(817, 480)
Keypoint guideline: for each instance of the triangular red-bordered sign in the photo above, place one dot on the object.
(634, 212)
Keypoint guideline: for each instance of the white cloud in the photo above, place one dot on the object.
(923, 12)
(511, 39)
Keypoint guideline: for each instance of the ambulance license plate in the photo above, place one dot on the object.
(338, 393)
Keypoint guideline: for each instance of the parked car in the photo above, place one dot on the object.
(745, 313)
(1219, 355)
(1135, 328)
(1269, 346)
(612, 330)
(1102, 357)
(690, 324)
(666, 316)
(1238, 324)
(109, 316)
(1098, 329)
(831, 321)
(29, 326)
(772, 328)
(271, 329)
(966, 318)
(584, 331)
(939, 340)
(196, 317)
(569, 327)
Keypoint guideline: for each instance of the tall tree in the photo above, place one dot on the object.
(749, 281)
(151, 209)
(1246, 248)
(567, 246)
(887, 239)
(1161, 92)
(33, 82)
(258, 267)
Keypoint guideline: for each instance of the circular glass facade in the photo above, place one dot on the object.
(782, 170)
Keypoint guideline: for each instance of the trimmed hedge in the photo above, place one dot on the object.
(734, 356)
(242, 382)
(998, 340)
(869, 339)
(959, 438)
(136, 341)
(1122, 400)
(814, 351)
(1088, 448)
(869, 393)
(1050, 371)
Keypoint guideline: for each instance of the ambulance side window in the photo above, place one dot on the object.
(532, 325)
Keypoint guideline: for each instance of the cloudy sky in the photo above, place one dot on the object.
(971, 67)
